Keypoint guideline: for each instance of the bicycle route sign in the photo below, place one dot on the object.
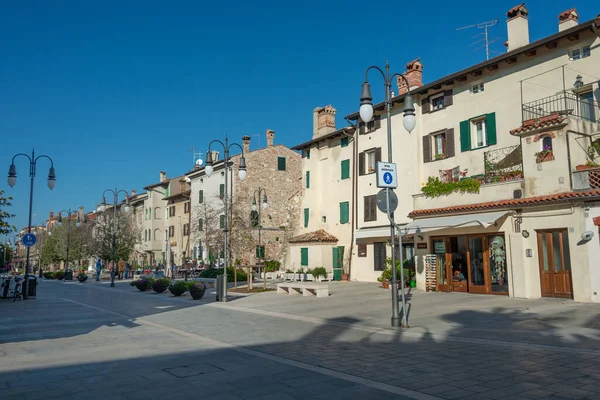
(29, 240)
(386, 175)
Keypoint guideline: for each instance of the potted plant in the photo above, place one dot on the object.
(544, 155)
(59, 275)
(142, 284)
(301, 274)
(82, 277)
(49, 275)
(178, 288)
(345, 275)
(196, 289)
(160, 285)
(318, 273)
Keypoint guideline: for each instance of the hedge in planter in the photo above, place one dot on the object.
(160, 285)
(49, 275)
(82, 277)
(178, 288)
(59, 275)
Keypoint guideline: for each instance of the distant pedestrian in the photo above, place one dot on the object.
(98, 269)
(127, 269)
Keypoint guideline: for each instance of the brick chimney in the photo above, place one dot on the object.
(81, 211)
(517, 27)
(270, 136)
(163, 176)
(323, 121)
(568, 19)
(414, 76)
(246, 142)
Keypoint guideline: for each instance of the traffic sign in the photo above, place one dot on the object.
(386, 175)
(29, 240)
(382, 201)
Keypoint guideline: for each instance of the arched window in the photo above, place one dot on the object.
(157, 213)
(546, 143)
(157, 234)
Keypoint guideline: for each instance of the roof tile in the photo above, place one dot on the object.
(319, 236)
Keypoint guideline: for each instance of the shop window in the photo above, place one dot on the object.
(379, 256)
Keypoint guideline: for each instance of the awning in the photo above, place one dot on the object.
(371, 233)
(482, 220)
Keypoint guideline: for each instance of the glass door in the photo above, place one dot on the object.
(439, 249)
(497, 265)
(477, 279)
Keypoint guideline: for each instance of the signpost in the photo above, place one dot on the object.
(382, 201)
(386, 175)
(29, 240)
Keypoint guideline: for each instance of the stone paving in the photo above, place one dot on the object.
(126, 344)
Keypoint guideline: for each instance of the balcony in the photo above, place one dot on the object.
(564, 104)
(586, 179)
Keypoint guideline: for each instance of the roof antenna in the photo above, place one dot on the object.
(196, 156)
(485, 26)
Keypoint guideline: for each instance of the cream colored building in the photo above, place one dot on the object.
(138, 203)
(155, 228)
(177, 219)
(520, 124)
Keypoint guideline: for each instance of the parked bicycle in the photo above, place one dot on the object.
(15, 292)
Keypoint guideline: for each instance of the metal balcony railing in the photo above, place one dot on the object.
(565, 104)
(505, 164)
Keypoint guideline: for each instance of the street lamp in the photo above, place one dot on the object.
(102, 208)
(409, 121)
(258, 222)
(242, 175)
(77, 224)
(12, 181)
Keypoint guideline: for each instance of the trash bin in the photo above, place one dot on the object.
(69, 275)
(219, 287)
(31, 285)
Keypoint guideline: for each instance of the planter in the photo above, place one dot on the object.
(385, 284)
(197, 294)
(459, 286)
(584, 167)
(82, 279)
(545, 157)
(176, 290)
(159, 287)
(142, 287)
(413, 283)
(344, 277)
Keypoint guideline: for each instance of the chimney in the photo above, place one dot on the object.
(81, 211)
(323, 121)
(270, 136)
(133, 192)
(517, 27)
(163, 176)
(214, 155)
(567, 19)
(51, 214)
(414, 76)
(246, 141)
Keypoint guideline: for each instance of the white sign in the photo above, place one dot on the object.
(386, 175)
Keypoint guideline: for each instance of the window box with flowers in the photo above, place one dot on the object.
(545, 155)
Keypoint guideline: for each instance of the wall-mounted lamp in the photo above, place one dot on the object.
(420, 237)
(578, 82)
(525, 234)
(587, 236)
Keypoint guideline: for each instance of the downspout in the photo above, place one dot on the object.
(354, 189)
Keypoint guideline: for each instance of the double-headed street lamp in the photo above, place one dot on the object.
(258, 223)
(410, 121)
(12, 181)
(77, 224)
(208, 170)
(115, 193)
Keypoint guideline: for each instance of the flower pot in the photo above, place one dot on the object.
(197, 294)
(159, 287)
(583, 167)
(344, 277)
(385, 284)
(549, 156)
(142, 287)
(176, 291)
(82, 279)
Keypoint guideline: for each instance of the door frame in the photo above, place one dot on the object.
(551, 272)
(486, 288)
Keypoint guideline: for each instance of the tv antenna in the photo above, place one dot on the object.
(485, 26)
(196, 156)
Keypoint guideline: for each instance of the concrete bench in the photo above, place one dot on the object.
(297, 288)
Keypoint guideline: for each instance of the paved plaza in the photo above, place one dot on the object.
(88, 340)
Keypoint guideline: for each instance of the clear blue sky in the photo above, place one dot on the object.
(115, 91)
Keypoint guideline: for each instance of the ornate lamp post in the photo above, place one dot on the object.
(242, 175)
(410, 121)
(69, 213)
(12, 180)
(115, 193)
(258, 223)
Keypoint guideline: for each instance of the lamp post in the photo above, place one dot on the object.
(242, 175)
(115, 193)
(12, 180)
(409, 120)
(69, 213)
(255, 207)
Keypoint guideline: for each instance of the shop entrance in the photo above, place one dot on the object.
(555, 263)
(471, 263)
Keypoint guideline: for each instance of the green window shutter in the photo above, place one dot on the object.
(345, 169)
(465, 135)
(345, 142)
(222, 190)
(167, 192)
(344, 212)
(260, 251)
(201, 196)
(306, 211)
(308, 179)
(308, 154)
(222, 221)
(336, 257)
(304, 256)
(490, 128)
(281, 163)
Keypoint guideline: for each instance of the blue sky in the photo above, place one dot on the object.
(115, 91)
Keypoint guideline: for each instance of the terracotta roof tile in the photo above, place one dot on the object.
(569, 14)
(319, 236)
(515, 10)
(537, 123)
(559, 197)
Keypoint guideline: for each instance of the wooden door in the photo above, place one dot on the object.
(555, 263)
(443, 267)
(479, 281)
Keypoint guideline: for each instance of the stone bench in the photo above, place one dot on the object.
(297, 288)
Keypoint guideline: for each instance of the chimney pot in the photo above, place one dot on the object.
(133, 192)
(163, 176)
(51, 214)
(270, 136)
(246, 141)
(414, 76)
(517, 27)
(323, 120)
(568, 19)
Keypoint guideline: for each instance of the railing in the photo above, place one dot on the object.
(586, 179)
(564, 104)
(505, 164)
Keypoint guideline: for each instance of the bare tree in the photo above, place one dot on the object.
(205, 227)
(123, 232)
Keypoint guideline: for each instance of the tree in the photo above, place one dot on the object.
(208, 232)
(55, 246)
(5, 227)
(126, 236)
(6, 254)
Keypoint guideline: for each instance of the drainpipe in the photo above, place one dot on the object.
(354, 188)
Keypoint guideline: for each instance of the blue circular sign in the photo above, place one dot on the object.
(29, 240)
(387, 178)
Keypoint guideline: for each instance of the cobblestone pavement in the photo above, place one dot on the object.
(92, 340)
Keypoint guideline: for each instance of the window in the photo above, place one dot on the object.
(186, 229)
(200, 224)
(477, 88)
(186, 208)
(307, 179)
(167, 213)
(280, 163)
(308, 154)
(145, 235)
(438, 145)
(172, 211)
(254, 218)
(157, 213)
(367, 160)
(547, 143)
(222, 191)
(304, 256)
(379, 256)
(200, 196)
(306, 214)
(260, 252)
(587, 106)
(156, 234)
(222, 221)
(371, 126)
(579, 53)
(345, 169)
(370, 208)
(149, 213)
(344, 212)
(171, 231)
(478, 132)
(344, 141)
(437, 102)
(324, 218)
